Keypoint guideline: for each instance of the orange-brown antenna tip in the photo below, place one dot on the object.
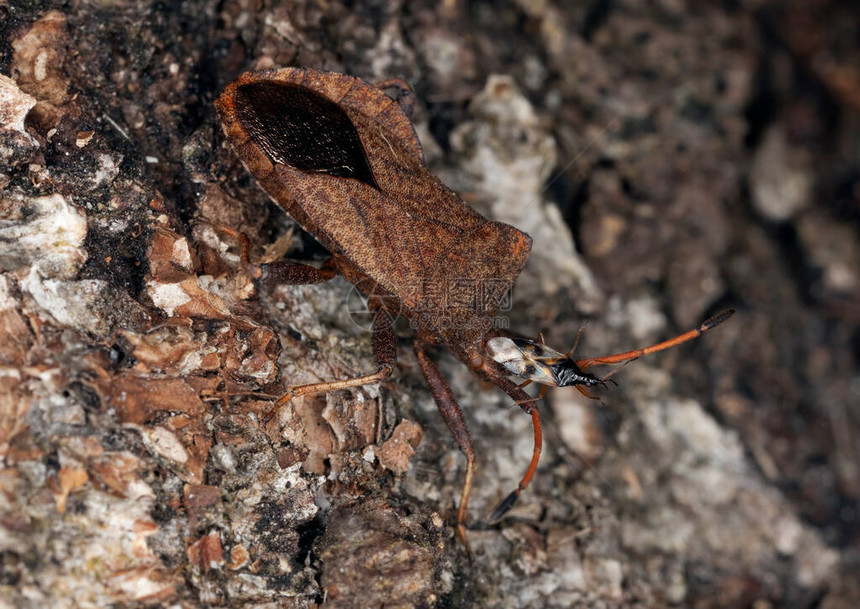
(716, 320)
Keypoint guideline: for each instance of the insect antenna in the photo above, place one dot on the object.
(527, 402)
(628, 356)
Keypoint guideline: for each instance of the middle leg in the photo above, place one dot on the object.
(384, 354)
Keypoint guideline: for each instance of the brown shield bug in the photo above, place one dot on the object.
(343, 160)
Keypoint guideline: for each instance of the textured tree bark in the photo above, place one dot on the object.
(668, 161)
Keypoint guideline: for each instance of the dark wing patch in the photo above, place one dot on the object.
(300, 128)
(536, 351)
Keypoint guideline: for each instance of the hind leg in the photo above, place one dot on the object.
(453, 416)
(384, 354)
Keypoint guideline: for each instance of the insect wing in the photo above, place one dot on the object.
(319, 137)
(537, 351)
(524, 358)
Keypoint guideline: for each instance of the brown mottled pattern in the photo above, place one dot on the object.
(413, 235)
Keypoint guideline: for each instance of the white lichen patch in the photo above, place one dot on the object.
(781, 177)
(46, 231)
(97, 553)
(182, 254)
(7, 299)
(252, 368)
(717, 506)
(576, 424)
(167, 296)
(290, 485)
(116, 546)
(511, 156)
(70, 303)
(108, 170)
(14, 107)
(227, 290)
(684, 422)
(645, 319)
(194, 360)
(165, 444)
(193, 297)
(369, 455)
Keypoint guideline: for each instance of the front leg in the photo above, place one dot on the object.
(280, 271)
(527, 403)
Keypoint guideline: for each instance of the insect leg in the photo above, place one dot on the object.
(296, 273)
(457, 426)
(537, 398)
(526, 402)
(384, 353)
(576, 342)
(508, 502)
(280, 271)
(584, 392)
(681, 338)
(406, 97)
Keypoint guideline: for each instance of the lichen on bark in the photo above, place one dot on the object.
(672, 159)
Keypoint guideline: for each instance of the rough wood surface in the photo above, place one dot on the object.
(668, 160)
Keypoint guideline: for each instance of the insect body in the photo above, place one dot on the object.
(343, 160)
(536, 362)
